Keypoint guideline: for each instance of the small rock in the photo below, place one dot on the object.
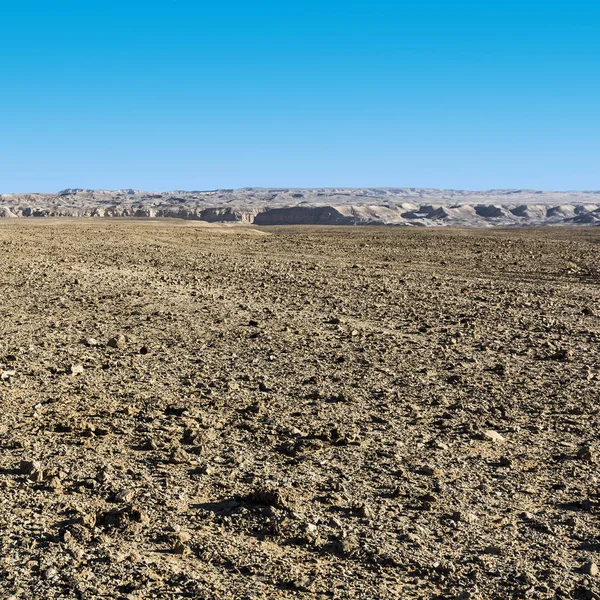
(464, 517)
(182, 537)
(562, 355)
(76, 369)
(180, 549)
(492, 436)
(311, 532)
(124, 496)
(150, 444)
(263, 387)
(585, 454)
(117, 341)
(55, 484)
(179, 457)
(27, 467)
(91, 342)
(431, 471)
(590, 568)
(87, 520)
(363, 510)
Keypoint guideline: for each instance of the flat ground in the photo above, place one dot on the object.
(298, 412)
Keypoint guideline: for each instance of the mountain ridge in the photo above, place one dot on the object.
(328, 206)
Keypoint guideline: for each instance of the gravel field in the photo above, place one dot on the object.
(212, 412)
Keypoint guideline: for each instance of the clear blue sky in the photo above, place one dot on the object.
(199, 95)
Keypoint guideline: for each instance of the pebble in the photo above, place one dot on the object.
(180, 549)
(117, 341)
(364, 511)
(590, 568)
(124, 496)
(311, 532)
(465, 517)
(27, 467)
(76, 369)
(431, 471)
(179, 457)
(493, 436)
(585, 454)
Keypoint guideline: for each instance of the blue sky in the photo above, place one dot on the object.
(197, 95)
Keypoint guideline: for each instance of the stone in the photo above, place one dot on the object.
(179, 457)
(124, 496)
(586, 454)
(180, 548)
(311, 532)
(363, 510)
(150, 444)
(562, 356)
(76, 369)
(117, 341)
(27, 467)
(87, 520)
(493, 436)
(590, 568)
(465, 517)
(431, 471)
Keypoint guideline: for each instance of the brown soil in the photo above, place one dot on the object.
(194, 412)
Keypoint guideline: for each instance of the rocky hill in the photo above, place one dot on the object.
(320, 206)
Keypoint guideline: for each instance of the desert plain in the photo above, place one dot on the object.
(231, 412)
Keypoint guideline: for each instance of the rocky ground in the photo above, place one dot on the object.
(373, 413)
(420, 207)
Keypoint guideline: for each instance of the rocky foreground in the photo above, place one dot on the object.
(236, 413)
(326, 206)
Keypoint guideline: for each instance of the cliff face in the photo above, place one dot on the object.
(322, 206)
(304, 215)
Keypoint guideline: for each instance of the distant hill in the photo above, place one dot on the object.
(316, 206)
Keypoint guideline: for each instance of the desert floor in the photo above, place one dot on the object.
(227, 412)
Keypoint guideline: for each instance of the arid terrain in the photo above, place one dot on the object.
(416, 207)
(214, 412)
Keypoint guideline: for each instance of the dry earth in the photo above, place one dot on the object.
(197, 412)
